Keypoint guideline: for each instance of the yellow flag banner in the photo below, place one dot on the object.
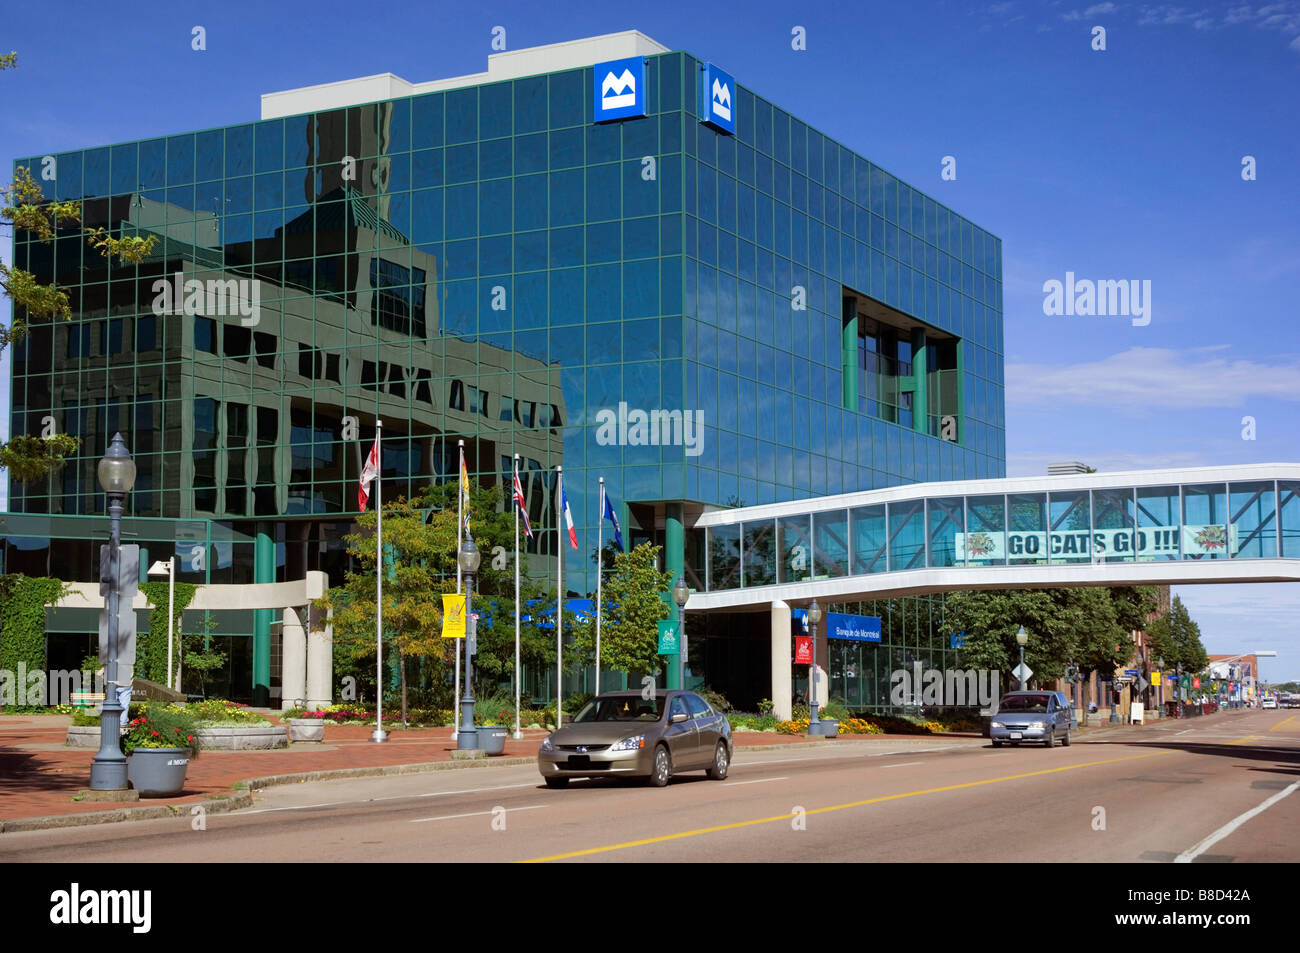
(453, 616)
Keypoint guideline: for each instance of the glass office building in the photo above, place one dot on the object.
(514, 263)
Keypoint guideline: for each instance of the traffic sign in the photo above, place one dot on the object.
(1022, 672)
(1142, 684)
(1130, 671)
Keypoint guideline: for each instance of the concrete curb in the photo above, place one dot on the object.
(152, 812)
(243, 794)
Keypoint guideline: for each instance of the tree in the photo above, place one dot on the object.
(992, 620)
(420, 565)
(416, 562)
(30, 458)
(1176, 639)
(632, 605)
(200, 658)
(1102, 640)
(1086, 626)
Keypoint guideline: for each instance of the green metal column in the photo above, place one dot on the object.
(921, 393)
(675, 565)
(849, 354)
(263, 571)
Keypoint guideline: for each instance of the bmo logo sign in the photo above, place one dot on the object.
(619, 89)
(717, 99)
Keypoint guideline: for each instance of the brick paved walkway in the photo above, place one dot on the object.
(39, 775)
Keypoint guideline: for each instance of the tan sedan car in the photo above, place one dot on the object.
(626, 734)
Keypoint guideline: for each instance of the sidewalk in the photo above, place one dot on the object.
(40, 775)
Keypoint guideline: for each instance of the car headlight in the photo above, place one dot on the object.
(546, 744)
(629, 744)
(1038, 724)
(996, 724)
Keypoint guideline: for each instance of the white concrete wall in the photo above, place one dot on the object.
(507, 64)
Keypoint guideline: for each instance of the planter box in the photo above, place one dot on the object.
(492, 738)
(158, 772)
(306, 729)
(824, 728)
(223, 738)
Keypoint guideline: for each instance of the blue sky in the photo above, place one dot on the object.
(1117, 164)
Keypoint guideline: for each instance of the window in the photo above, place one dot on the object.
(698, 706)
(238, 340)
(397, 302)
(265, 345)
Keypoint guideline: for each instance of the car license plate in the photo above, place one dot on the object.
(1015, 734)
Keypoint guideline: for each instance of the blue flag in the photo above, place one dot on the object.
(609, 515)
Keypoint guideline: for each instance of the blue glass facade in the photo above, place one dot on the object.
(491, 264)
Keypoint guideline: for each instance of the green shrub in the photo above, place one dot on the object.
(716, 699)
(742, 721)
(162, 726)
(573, 703)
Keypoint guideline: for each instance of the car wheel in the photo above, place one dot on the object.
(997, 744)
(1051, 739)
(662, 768)
(1065, 742)
(557, 782)
(721, 762)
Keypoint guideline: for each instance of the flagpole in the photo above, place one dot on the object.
(518, 734)
(460, 529)
(379, 733)
(600, 538)
(559, 600)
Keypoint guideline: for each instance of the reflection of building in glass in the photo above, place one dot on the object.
(477, 258)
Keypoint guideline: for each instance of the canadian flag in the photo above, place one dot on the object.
(368, 473)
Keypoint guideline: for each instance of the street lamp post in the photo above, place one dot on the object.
(1022, 637)
(680, 594)
(116, 474)
(468, 558)
(814, 616)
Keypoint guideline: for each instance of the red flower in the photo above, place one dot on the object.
(155, 734)
(175, 729)
(190, 738)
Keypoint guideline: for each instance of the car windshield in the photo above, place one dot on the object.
(1023, 703)
(620, 709)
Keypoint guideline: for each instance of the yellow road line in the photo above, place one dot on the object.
(1283, 722)
(837, 807)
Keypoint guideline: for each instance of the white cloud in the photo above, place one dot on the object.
(1150, 378)
(1099, 8)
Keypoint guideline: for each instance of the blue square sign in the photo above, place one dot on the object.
(718, 99)
(618, 88)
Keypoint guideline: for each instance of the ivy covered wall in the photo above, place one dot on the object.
(22, 619)
(151, 652)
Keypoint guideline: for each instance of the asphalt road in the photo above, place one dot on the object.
(1201, 790)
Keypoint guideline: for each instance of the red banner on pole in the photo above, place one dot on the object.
(803, 650)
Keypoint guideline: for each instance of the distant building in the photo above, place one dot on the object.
(1067, 468)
